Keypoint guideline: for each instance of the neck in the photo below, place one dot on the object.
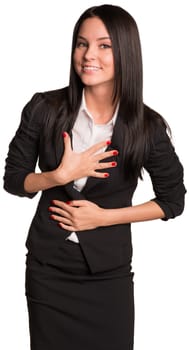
(100, 105)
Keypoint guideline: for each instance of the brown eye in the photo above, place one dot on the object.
(105, 46)
(81, 44)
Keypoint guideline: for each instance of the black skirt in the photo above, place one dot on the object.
(72, 309)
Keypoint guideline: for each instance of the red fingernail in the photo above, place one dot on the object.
(108, 142)
(106, 175)
(51, 216)
(68, 202)
(114, 163)
(50, 209)
(64, 134)
(115, 153)
(52, 202)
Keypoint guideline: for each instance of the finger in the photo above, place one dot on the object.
(106, 165)
(104, 155)
(78, 203)
(67, 227)
(60, 204)
(64, 223)
(56, 217)
(100, 175)
(59, 212)
(61, 219)
(100, 145)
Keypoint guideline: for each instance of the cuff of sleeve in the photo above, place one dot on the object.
(164, 206)
(14, 184)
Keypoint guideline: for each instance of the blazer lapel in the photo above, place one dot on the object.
(72, 192)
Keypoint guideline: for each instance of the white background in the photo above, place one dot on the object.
(35, 55)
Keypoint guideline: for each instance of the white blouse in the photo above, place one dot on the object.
(86, 133)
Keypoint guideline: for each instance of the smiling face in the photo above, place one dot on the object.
(93, 56)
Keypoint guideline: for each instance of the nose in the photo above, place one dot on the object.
(90, 52)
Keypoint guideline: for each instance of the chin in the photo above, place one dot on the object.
(90, 82)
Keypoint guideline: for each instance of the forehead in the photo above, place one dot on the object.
(93, 28)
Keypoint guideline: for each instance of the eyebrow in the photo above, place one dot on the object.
(102, 38)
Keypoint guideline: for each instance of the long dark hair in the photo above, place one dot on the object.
(126, 47)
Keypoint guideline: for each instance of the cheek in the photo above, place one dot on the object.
(109, 61)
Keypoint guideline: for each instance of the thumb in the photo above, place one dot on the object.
(79, 203)
(67, 140)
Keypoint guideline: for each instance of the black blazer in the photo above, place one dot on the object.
(105, 248)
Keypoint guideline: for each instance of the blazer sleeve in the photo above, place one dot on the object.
(166, 172)
(23, 149)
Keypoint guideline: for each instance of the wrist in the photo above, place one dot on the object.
(59, 177)
(50, 178)
(106, 218)
(116, 216)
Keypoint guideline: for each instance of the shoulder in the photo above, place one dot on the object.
(44, 103)
(156, 125)
(55, 97)
(153, 118)
(48, 98)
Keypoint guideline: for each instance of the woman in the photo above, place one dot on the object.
(93, 139)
